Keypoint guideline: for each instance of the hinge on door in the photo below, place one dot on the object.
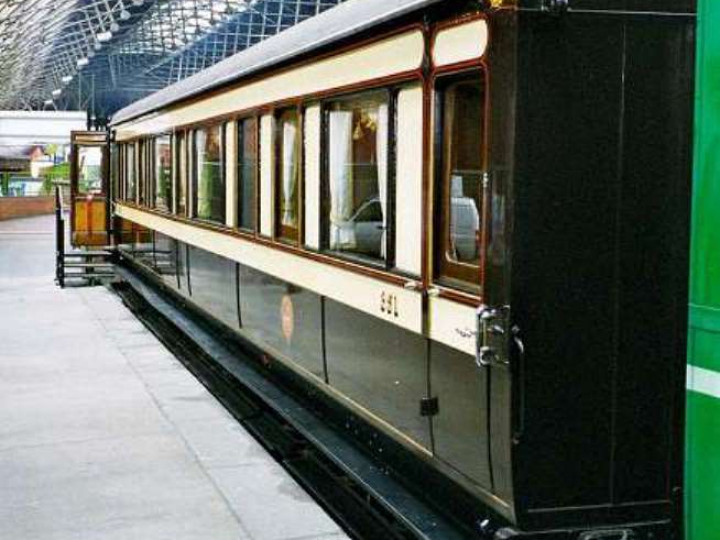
(429, 406)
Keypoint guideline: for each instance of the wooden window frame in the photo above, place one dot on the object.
(281, 233)
(387, 263)
(239, 138)
(131, 150)
(168, 202)
(445, 271)
(178, 138)
(120, 194)
(142, 177)
(221, 125)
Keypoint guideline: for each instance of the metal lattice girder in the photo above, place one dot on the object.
(41, 42)
(121, 50)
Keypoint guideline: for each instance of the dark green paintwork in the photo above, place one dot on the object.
(703, 413)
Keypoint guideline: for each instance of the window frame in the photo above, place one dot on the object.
(220, 125)
(154, 166)
(150, 172)
(142, 166)
(131, 166)
(296, 234)
(239, 139)
(119, 194)
(388, 262)
(446, 271)
(180, 157)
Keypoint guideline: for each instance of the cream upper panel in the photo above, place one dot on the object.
(392, 303)
(312, 176)
(461, 43)
(231, 174)
(398, 54)
(409, 181)
(267, 129)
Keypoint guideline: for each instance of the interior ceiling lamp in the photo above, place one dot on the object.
(67, 78)
(57, 92)
(83, 62)
(104, 37)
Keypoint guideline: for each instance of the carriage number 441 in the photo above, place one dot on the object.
(389, 304)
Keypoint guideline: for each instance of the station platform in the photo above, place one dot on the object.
(105, 435)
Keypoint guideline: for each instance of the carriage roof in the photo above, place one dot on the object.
(334, 25)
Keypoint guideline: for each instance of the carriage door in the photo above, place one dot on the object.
(467, 326)
(89, 185)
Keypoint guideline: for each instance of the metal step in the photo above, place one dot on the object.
(89, 265)
(88, 254)
(89, 276)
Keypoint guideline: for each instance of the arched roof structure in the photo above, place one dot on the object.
(100, 55)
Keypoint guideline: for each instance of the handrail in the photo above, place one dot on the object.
(59, 239)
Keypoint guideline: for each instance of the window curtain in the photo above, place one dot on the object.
(205, 173)
(382, 168)
(289, 173)
(342, 234)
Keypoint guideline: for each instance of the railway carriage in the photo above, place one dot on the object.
(465, 224)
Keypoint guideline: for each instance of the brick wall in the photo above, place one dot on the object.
(16, 207)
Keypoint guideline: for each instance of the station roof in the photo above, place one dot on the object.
(100, 55)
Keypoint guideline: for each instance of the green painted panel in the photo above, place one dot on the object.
(705, 284)
(705, 347)
(705, 318)
(703, 470)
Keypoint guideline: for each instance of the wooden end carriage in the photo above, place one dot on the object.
(519, 323)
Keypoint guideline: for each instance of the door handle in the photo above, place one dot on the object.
(490, 332)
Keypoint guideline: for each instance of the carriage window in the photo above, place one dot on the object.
(142, 178)
(209, 178)
(357, 175)
(115, 170)
(288, 142)
(247, 145)
(163, 173)
(131, 183)
(181, 174)
(89, 166)
(461, 110)
(149, 172)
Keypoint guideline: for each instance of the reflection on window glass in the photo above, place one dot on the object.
(181, 191)
(163, 173)
(210, 182)
(288, 171)
(131, 190)
(463, 127)
(90, 170)
(247, 172)
(358, 175)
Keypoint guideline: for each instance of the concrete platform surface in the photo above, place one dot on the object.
(105, 435)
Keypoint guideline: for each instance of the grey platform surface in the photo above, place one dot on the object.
(105, 435)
